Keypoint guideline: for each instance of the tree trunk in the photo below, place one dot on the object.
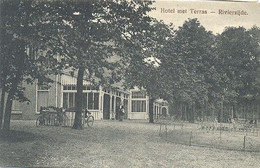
(13, 89)
(8, 110)
(185, 111)
(2, 99)
(234, 111)
(79, 98)
(2, 106)
(10, 97)
(181, 112)
(151, 100)
(192, 119)
(257, 112)
(207, 108)
(194, 113)
(213, 112)
(3, 76)
(222, 111)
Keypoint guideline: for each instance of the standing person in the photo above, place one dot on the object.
(121, 113)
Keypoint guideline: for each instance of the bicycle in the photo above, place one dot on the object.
(43, 119)
(52, 116)
(61, 118)
(89, 118)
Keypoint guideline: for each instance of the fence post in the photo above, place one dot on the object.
(160, 129)
(229, 127)
(220, 130)
(244, 144)
(166, 130)
(190, 137)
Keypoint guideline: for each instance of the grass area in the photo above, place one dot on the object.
(227, 140)
(109, 144)
(193, 134)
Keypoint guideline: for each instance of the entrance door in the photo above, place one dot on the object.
(126, 109)
(118, 103)
(106, 107)
(164, 111)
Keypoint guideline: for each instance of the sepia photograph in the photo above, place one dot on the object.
(129, 83)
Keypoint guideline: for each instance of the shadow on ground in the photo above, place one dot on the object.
(17, 136)
(22, 148)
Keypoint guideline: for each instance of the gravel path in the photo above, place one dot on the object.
(110, 144)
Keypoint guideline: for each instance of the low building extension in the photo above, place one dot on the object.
(103, 103)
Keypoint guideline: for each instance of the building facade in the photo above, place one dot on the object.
(103, 103)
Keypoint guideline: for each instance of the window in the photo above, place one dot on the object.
(96, 100)
(65, 100)
(138, 95)
(126, 105)
(113, 102)
(138, 106)
(68, 87)
(43, 87)
(72, 87)
(89, 100)
(95, 87)
(42, 99)
(72, 99)
(93, 101)
(125, 96)
(84, 99)
(42, 95)
(15, 105)
(69, 100)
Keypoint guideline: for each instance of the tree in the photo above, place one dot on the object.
(18, 33)
(238, 50)
(187, 65)
(255, 33)
(86, 34)
(144, 71)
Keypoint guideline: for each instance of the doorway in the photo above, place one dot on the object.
(106, 107)
(118, 103)
(164, 111)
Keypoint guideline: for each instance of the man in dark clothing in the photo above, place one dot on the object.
(121, 113)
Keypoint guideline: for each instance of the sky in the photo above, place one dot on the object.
(211, 14)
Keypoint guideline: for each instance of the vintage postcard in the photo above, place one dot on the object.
(122, 83)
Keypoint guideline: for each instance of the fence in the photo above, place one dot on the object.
(220, 137)
(71, 118)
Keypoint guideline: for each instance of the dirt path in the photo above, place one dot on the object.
(110, 144)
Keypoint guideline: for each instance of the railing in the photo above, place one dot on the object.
(96, 114)
(71, 117)
(219, 136)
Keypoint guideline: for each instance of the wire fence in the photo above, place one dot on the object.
(220, 136)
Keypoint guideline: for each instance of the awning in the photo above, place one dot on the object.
(71, 80)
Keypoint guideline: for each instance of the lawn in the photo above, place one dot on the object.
(192, 134)
(109, 144)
